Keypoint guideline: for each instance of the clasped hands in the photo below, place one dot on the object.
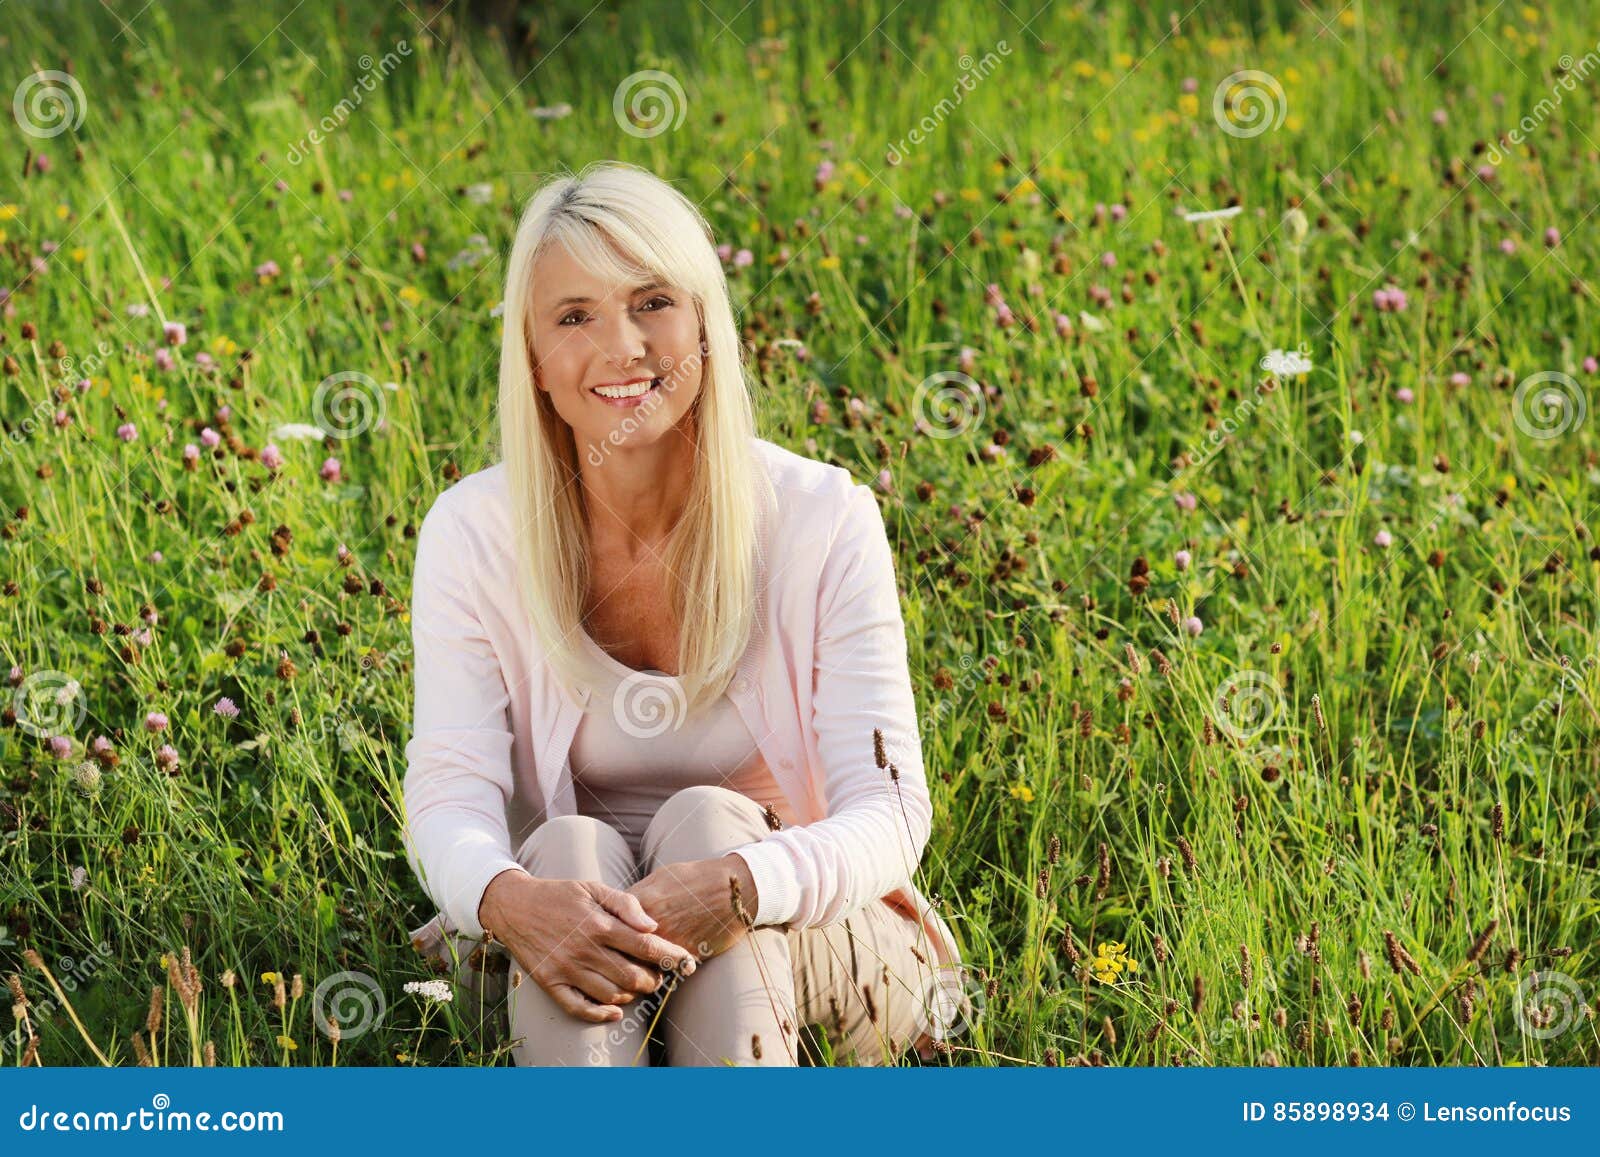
(594, 948)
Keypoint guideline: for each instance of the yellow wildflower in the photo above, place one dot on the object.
(1022, 791)
(411, 295)
(829, 263)
(286, 1043)
(9, 212)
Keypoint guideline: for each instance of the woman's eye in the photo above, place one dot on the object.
(570, 316)
(664, 301)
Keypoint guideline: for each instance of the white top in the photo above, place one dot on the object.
(636, 746)
(488, 758)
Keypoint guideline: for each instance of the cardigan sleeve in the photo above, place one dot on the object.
(458, 761)
(873, 837)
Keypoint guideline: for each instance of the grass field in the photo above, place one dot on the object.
(1248, 561)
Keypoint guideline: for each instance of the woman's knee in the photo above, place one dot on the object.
(577, 847)
(701, 822)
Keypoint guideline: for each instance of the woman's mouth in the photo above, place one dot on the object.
(626, 396)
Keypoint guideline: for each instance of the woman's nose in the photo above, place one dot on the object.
(623, 341)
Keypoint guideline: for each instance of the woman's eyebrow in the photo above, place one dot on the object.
(634, 292)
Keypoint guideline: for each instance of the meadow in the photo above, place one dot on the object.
(1223, 375)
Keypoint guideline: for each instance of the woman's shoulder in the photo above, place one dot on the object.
(476, 507)
(804, 486)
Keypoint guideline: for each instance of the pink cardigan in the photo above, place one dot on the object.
(487, 763)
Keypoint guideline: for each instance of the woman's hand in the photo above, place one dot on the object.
(692, 902)
(592, 947)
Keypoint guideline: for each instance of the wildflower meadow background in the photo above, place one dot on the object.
(1224, 373)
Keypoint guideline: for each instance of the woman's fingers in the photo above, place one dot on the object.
(651, 950)
(629, 974)
(624, 906)
(573, 1002)
(599, 988)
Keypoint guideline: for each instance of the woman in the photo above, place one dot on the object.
(663, 660)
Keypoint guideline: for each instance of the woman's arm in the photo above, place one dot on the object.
(458, 762)
(873, 837)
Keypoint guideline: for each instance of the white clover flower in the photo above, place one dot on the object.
(1091, 323)
(481, 193)
(500, 308)
(437, 991)
(1287, 363)
(1214, 214)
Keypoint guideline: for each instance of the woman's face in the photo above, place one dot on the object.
(588, 333)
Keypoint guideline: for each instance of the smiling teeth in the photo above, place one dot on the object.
(632, 391)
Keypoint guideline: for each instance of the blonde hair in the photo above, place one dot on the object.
(710, 556)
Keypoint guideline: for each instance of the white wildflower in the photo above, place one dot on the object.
(1214, 214)
(481, 193)
(553, 112)
(499, 308)
(437, 991)
(299, 431)
(1091, 323)
(1287, 363)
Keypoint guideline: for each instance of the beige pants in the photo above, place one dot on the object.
(771, 999)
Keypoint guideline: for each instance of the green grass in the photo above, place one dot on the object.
(1453, 670)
